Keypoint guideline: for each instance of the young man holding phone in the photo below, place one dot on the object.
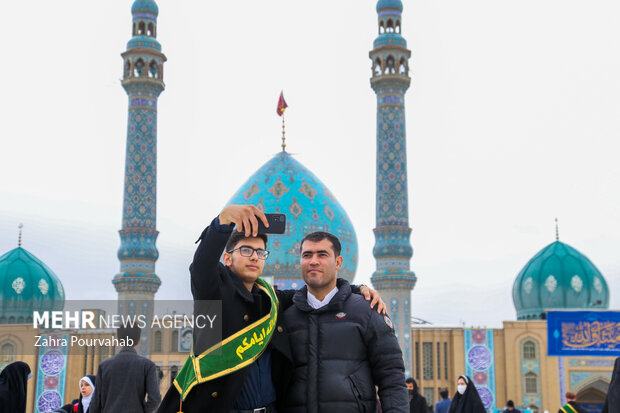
(248, 370)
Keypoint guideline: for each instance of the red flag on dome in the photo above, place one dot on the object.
(281, 105)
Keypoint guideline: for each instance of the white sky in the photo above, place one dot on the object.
(512, 120)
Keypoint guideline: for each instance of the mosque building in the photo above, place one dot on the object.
(511, 363)
(505, 363)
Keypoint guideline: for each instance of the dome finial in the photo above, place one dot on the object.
(280, 111)
(557, 230)
(19, 238)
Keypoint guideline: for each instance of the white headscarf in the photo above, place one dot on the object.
(86, 399)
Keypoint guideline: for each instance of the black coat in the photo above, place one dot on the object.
(341, 351)
(612, 401)
(211, 280)
(13, 387)
(417, 404)
(124, 382)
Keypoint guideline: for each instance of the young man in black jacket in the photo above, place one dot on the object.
(341, 348)
(258, 368)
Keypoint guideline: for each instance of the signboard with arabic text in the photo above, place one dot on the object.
(583, 333)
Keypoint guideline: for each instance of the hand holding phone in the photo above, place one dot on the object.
(277, 224)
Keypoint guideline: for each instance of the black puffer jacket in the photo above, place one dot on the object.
(340, 352)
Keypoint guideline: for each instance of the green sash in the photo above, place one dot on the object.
(567, 408)
(236, 351)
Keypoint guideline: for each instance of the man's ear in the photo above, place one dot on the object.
(339, 262)
(227, 257)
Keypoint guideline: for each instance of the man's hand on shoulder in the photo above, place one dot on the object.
(374, 297)
(245, 217)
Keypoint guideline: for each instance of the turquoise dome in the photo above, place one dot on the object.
(389, 39)
(389, 4)
(558, 277)
(27, 284)
(145, 6)
(143, 42)
(284, 185)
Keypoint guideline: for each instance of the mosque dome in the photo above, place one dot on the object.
(389, 4)
(27, 285)
(145, 6)
(284, 185)
(558, 277)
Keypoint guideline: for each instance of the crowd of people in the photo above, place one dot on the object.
(319, 349)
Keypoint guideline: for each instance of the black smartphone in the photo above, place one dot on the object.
(277, 224)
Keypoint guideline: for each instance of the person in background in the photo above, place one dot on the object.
(126, 382)
(417, 402)
(13, 387)
(409, 384)
(466, 399)
(81, 405)
(612, 401)
(510, 407)
(571, 405)
(444, 405)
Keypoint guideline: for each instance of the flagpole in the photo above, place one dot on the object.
(283, 135)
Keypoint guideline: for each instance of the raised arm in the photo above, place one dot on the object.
(204, 269)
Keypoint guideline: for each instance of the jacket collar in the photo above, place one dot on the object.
(240, 287)
(300, 299)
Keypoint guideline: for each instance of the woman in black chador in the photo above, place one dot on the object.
(13, 386)
(81, 405)
(466, 399)
(417, 404)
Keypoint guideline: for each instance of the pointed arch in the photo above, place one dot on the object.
(150, 31)
(138, 68)
(529, 350)
(381, 26)
(390, 65)
(154, 70)
(403, 68)
(8, 352)
(157, 342)
(174, 341)
(531, 383)
(389, 28)
(141, 29)
(376, 67)
(127, 68)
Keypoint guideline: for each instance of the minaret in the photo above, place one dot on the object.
(143, 62)
(390, 80)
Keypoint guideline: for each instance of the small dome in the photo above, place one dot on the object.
(558, 277)
(284, 185)
(146, 6)
(148, 42)
(389, 39)
(389, 4)
(26, 285)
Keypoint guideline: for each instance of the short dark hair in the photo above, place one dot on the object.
(510, 403)
(237, 236)
(320, 236)
(571, 395)
(129, 333)
(443, 393)
(410, 380)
